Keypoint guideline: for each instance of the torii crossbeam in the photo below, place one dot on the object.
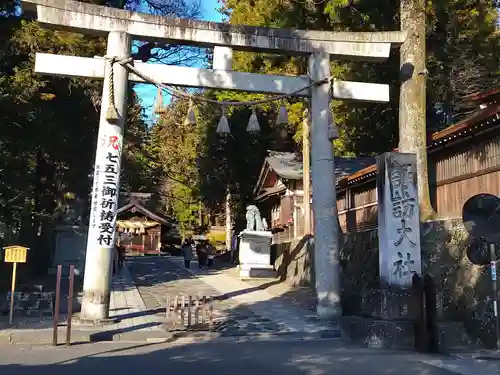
(181, 76)
(121, 26)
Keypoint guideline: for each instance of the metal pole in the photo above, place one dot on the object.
(56, 305)
(70, 304)
(12, 291)
(324, 202)
(493, 268)
(106, 187)
(306, 178)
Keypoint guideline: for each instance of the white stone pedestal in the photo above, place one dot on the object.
(255, 254)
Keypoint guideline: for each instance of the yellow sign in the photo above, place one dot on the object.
(15, 254)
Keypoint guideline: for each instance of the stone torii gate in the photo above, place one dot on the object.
(121, 26)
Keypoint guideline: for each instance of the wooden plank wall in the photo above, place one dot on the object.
(455, 174)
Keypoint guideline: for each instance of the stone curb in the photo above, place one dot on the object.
(44, 336)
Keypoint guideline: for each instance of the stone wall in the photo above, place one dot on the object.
(360, 270)
(294, 261)
(463, 289)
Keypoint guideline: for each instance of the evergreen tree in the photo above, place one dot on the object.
(462, 37)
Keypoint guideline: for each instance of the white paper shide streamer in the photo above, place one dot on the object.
(223, 126)
(333, 131)
(282, 118)
(253, 123)
(191, 115)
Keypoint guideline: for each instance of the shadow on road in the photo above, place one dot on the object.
(244, 358)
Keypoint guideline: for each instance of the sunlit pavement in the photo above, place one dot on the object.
(245, 358)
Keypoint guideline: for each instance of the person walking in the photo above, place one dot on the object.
(187, 252)
(210, 255)
(121, 256)
(201, 253)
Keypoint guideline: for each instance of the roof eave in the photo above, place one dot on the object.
(144, 211)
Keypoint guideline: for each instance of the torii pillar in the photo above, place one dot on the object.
(106, 187)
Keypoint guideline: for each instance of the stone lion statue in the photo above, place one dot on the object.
(254, 220)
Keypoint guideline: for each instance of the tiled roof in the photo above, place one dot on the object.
(145, 203)
(288, 165)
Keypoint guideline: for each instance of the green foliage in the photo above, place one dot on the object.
(462, 38)
(48, 132)
(49, 127)
(174, 150)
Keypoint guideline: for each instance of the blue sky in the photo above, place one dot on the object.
(147, 93)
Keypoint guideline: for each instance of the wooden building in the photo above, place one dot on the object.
(142, 231)
(464, 160)
(279, 192)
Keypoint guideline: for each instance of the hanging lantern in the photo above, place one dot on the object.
(191, 115)
(223, 126)
(282, 118)
(253, 123)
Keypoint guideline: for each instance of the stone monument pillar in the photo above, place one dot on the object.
(398, 219)
(388, 311)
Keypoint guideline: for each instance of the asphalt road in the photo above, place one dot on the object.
(243, 358)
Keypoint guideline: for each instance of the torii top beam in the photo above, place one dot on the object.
(95, 19)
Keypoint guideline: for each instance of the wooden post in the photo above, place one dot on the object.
(176, 305)
(306, 178)
(203, 309)
(182, 312)
(70, 304)
(210, 313)
(56, 305)
(189, 319)
(167, 308)
(12, 291)
(197, 310)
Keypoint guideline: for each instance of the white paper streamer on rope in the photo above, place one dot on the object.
(333, 131)
(253, 123)
(191, 115)
(223, 126)
(282, 118)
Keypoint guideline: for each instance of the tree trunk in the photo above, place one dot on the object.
(412, 104)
